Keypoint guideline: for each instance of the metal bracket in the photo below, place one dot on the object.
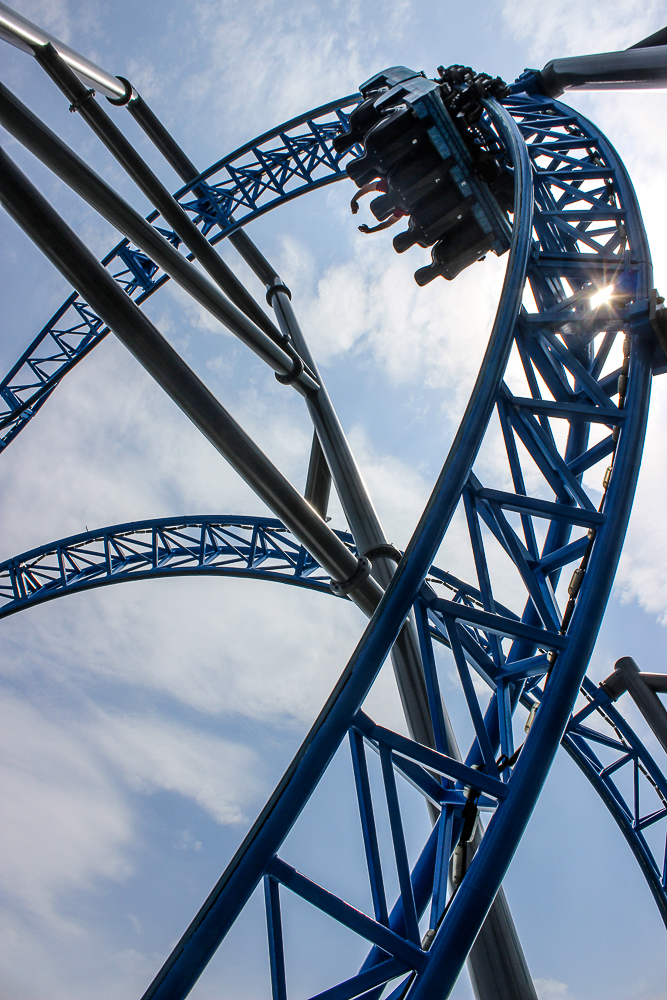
(346, 587)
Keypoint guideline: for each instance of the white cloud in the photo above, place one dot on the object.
(256, 61)
(568, 28)
(643, 567)
(65, 824)
(370, 304)
(230, 648)
(551, 989)
(110, 447)
(219, 775)
(51, 15)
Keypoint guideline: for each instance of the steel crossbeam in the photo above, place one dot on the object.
(577, 229)
(641, 806)
(74, 329)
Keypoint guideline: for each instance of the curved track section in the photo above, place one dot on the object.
(557, 417)
(235, 546)
(550, 506)
(262, 548)
(629, 782)
(278, 166)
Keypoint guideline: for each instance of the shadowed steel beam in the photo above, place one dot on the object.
(27, 128)
(633, 69)
(19, 31)
(497, 964)
(75, 262)
(643, 689)
(318, 480)
(83, 101)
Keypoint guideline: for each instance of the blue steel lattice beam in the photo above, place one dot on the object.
(600, 241)
(563, 360)
(250, 863)
(235, 546)
(250, 547)
(74, 329)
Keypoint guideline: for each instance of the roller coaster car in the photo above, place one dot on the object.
(444, 165)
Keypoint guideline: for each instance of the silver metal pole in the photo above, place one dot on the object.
(51, 150)
(19, 31)
(83, 101)
(133, 328)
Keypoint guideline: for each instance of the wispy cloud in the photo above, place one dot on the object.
(65, 822)
(567, 28)
(551, 989)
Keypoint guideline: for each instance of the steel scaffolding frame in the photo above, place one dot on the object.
(576, 228)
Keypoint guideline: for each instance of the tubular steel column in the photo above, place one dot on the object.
(583, 198)
(498, 966)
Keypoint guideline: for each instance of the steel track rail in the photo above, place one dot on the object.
(276, 167)
(586, 233)
(244, 547)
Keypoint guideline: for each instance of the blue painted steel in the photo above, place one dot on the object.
(554, 343)
(586, 233)
(471, 902)
(278, 166)
(237, 546)
(248, 547)
(630, 810)
(246, 869)
(189, 546)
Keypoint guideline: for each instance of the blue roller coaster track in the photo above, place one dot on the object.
(274, 168)
(262, 548)
(576, 230)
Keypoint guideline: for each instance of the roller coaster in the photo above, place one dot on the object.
(474, 166)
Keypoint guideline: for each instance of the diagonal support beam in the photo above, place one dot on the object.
(47, 146)
(72, 258)
(341, 911)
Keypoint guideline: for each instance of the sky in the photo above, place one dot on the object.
(145, 725)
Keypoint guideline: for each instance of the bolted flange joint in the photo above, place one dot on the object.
(345, 587)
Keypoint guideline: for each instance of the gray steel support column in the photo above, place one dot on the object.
(83, 101)
(28, 129)
(642, 689)
(133, 328)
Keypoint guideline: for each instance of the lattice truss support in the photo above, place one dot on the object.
(570, 415)
(569, 383)
(274, 168)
